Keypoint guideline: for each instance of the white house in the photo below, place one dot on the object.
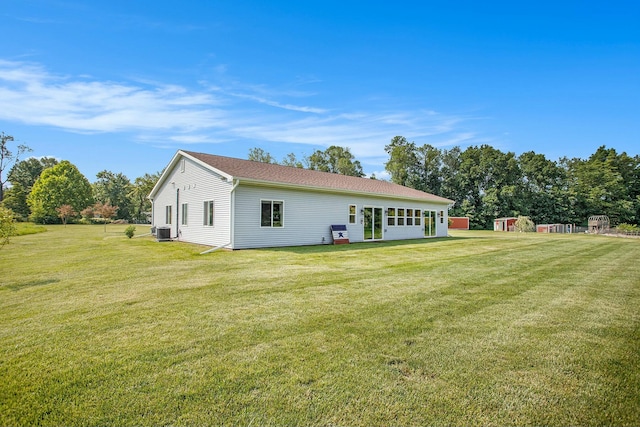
(238, 204)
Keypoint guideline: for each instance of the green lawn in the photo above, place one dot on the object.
(482, 328)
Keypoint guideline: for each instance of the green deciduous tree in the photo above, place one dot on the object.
(259, 155)
(114, 189)
(7, 225)
(7, 157)
(606, 184)
(139, 193)
(403, 161)
(22, 176)
(59, 185)
(524, 224)
(335, 160)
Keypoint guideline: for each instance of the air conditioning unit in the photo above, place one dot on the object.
(163, 234)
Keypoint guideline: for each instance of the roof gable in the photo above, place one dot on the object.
(260, 172)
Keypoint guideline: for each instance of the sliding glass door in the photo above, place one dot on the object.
(373, 219)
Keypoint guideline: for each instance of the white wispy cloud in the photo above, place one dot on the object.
(214, 112)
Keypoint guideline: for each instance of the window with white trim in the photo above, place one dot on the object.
(400, 216)
(167, 212)
(409, 217)
(391, 216)
(417, 217)
(271, 213)
(352, 214)
(209, 212)
(185, 213)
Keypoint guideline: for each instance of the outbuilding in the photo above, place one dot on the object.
(505, 224)
(238, 204)
(458, 223)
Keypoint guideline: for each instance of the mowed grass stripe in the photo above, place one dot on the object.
(482, 328)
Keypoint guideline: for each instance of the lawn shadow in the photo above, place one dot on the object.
(327, 248)
(31, 284)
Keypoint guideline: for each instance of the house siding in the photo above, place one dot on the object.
(308, 215)
(194, 186)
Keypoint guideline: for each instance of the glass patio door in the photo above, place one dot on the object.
(429, 223)
(373, 218)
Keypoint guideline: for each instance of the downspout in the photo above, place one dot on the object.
(178, 214)
(233, 213)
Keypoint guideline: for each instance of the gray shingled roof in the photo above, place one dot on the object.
(287, 175)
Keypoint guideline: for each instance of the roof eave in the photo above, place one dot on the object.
(172, 164)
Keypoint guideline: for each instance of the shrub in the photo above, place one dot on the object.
(628, 228)
(524, 224)
(7, 225)
(130, 230)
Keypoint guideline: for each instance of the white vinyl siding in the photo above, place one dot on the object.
(308, 216)
(196, 184)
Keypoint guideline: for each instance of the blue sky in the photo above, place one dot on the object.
(121, 85)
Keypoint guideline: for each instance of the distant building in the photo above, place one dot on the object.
(458, 223)
(555, 228)
(504, 224)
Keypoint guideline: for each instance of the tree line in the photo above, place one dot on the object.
(45, 190)
(484, 182)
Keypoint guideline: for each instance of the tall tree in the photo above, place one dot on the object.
(544, 186)
(291, 160)
(403, 161)
(430, 169)
(8, 158)
(259, 155)
(22, 176)
(335, 160)
(114, 189)
(601, 186)
(62, 184)
(490, 181)
(139, 193)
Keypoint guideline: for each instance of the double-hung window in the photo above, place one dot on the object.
(352, 214)
(391, 216)
(167, 212)
(208, 213)
(409, 216)
(271, 213)
(185, 212)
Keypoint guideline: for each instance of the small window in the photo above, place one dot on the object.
(271, 213)
(417, 215)
(185, 212)
(208, 213)
(409, 216)
(441, 217)
(167, 211)
(400, 216)
(391, 216)
(352, 214)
